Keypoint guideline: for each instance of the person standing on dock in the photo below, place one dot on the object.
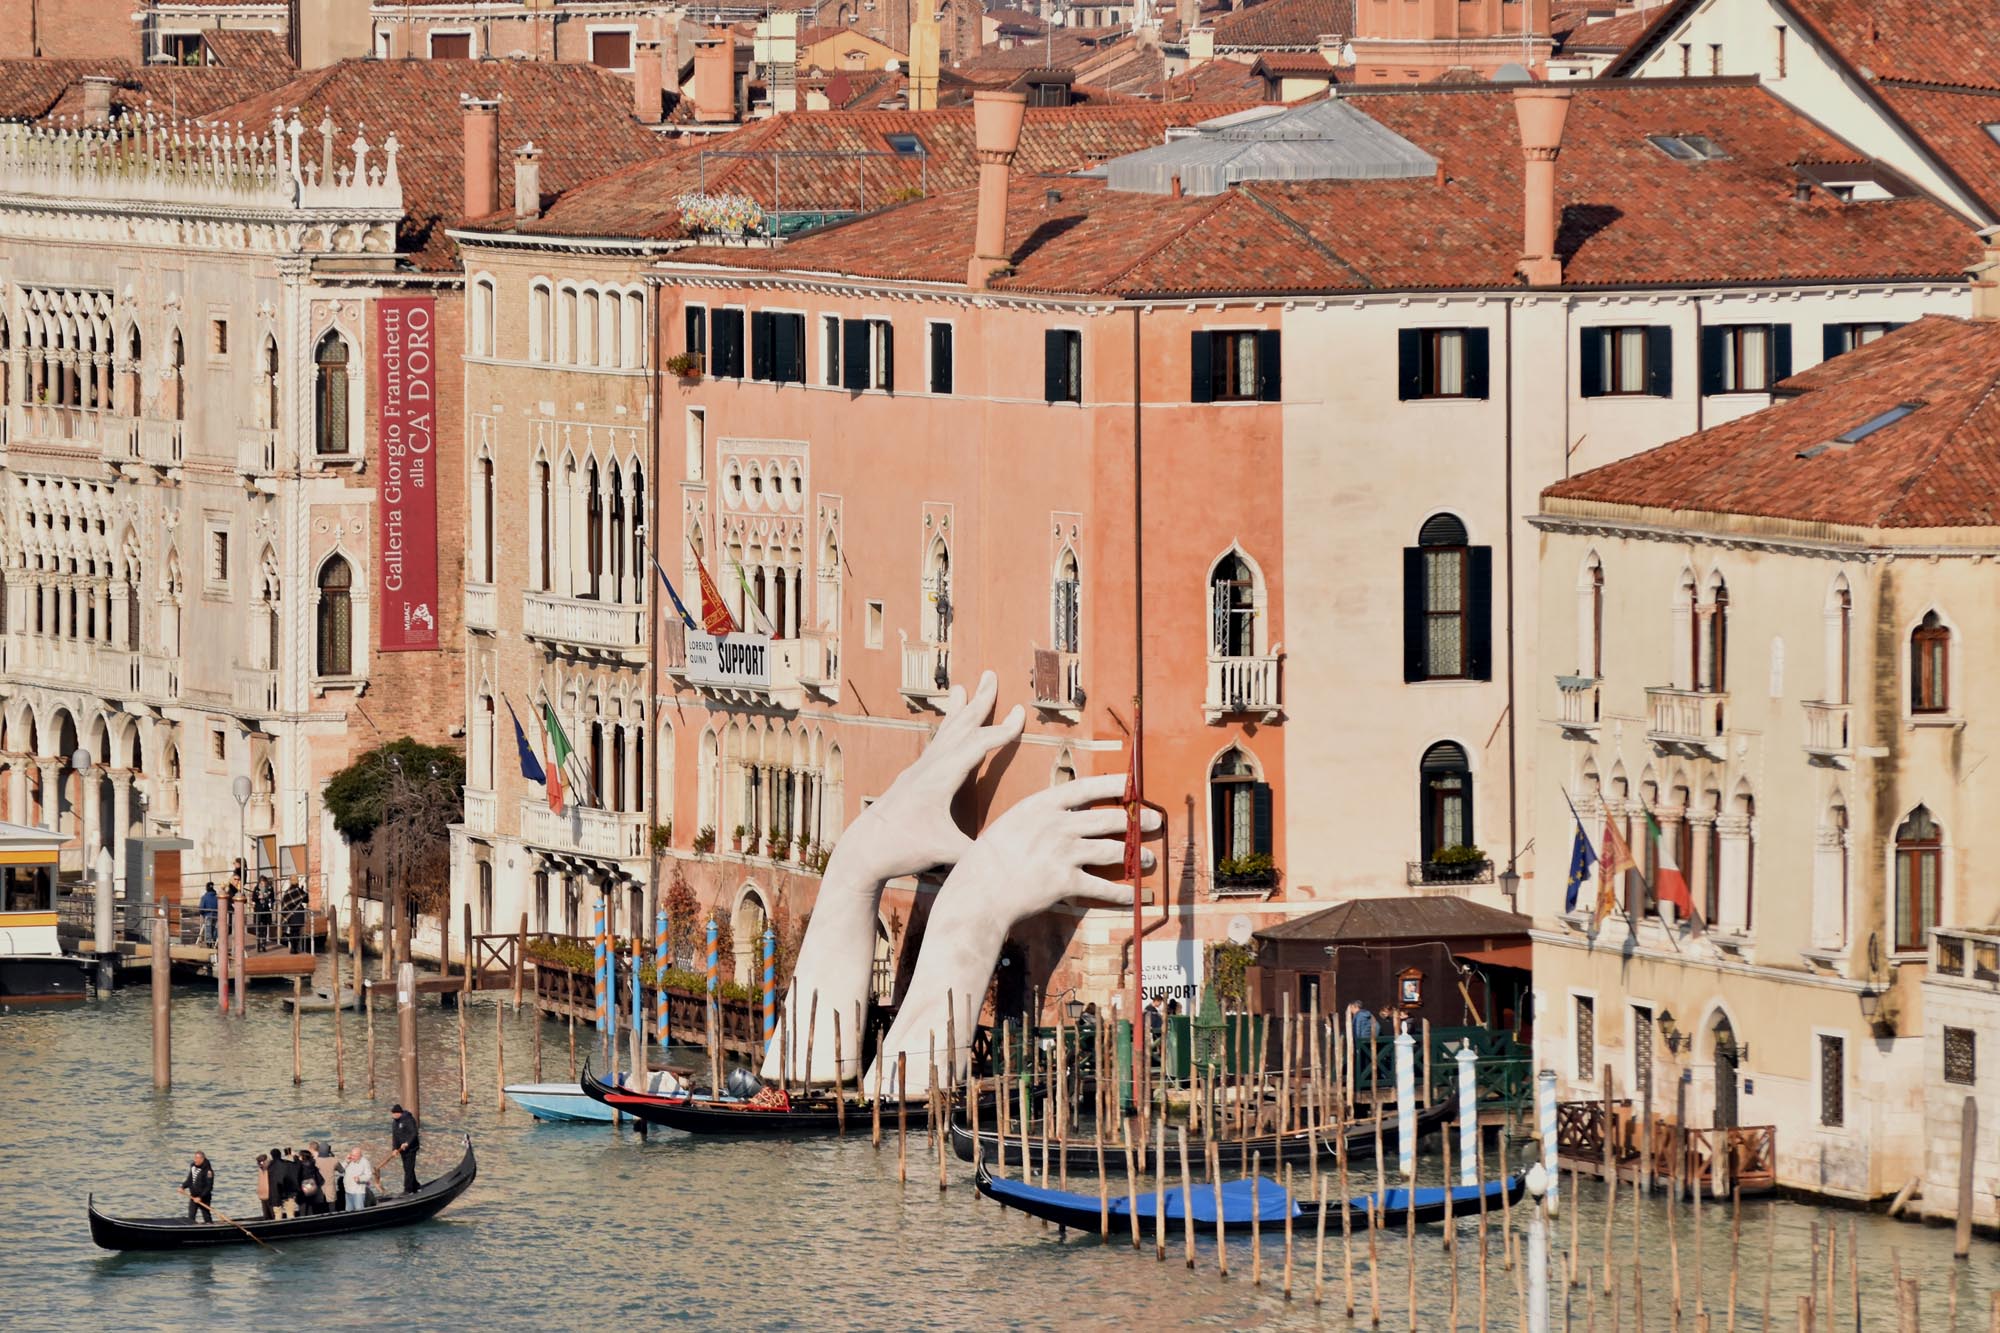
(403, 1141)
(199, 1187)
(295, 903)
(264, 909)
(209, 905)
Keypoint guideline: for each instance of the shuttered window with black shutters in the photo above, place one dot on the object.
(1626, 360)
(725, 340)
(941, 370)
(1235, 365)
(1447, 604)
(1442, 363)
(1062, 366)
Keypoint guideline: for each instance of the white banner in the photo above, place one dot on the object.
(734, 661)
(1173, 972)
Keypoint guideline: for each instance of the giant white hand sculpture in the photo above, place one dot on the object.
(1027, 861)
(908, 829)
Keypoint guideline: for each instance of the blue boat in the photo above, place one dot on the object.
(1268, 1204)
(558, 1101)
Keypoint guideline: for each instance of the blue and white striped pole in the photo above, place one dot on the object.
(1468, 1116)
(660, 975)
(1545, 1113)
(1406, 1105)
(638, 1009)
(770, 987)
(600, 957)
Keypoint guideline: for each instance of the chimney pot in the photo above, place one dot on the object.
(1985, 277)
(1540, 112)
(996, 137)
(715, 77)
(97, 98)
(527, 181)
(482, 155)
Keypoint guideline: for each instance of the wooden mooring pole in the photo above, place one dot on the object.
(163, 1019)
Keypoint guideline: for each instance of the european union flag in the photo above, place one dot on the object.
(1581, 859)
(531, 768)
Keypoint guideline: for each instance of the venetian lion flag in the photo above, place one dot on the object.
(715, 617)
(1670, 882)
(1611, 870)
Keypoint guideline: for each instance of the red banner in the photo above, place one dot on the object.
(407, 553)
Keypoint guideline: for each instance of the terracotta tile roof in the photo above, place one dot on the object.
(638, 201)
(1952, 121)
(1064, 48)
(1278, 25)
(813, 36)
(28, 88)
(1614, 33)
(1937, 41)
(578, 115)
(1017, 20)
(1938, 467)
(1631, 215)
(249, 48)
(1295, 64)
(1219, 80)
(1566, 16)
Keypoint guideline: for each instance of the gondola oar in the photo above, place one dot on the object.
(213, 1211)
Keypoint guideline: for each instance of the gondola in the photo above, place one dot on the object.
(699, 1114)
(1266, 1205)
(1295, 1147)
(175, 1233)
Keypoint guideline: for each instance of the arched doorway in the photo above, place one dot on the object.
(1726, 1060)
(748, 936)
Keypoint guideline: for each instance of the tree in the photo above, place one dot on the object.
(411, 794)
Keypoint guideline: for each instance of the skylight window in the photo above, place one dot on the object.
(1993, 130)
(1847, 439)
(906, 145)
(1687, 147)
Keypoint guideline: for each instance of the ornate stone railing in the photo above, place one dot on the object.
(583, 831)
(582, 623)
(1242, 685)
(482, 606)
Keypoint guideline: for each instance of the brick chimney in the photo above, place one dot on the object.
(527, 181)
(97, 98)
(1985, 276)
(482, 155)
(923, 84)
(1539, 111)
(646, 83)
(1200, 48)
(715, 78)
(996, 135)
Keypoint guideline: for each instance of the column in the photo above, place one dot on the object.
(50, 769)
(121, 820)
(1829, 919)
(1734, 833)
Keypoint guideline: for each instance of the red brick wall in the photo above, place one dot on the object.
(73, 29)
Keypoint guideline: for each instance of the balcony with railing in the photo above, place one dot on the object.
(482, 607)
(1240, 685)
(159, 677)
(1686, 721)
(256, 451)
(1057, 679)
(581, 831)
(1577, 704)
(259, 812)
(819, 663)
(1829, 735)
(926, 671)
(160, 443)
(1253, 876)
(1965, 958)
(482, 811)
(70, 662)
(165, 800)
(581, 623)
(256, 691)
(1449, 877)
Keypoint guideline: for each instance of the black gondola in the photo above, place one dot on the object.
(1295, 1147)
(175, 1233)
(1268, 1203)
(698, 1114)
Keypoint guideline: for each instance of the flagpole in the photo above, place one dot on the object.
(1138, 919)
(649, 782)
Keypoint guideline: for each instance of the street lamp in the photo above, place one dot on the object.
(1510, 884)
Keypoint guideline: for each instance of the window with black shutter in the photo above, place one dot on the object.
(763, 344)
(1442, 363)
(867, 357)
(1840, 339)
(1062, 366)
(1445, 800)
(725, 329)
(1235, 365)
(1447, 604)
(1240, 816)
(941, 378)
(785, 362)
(1626, 360)
(695, 337)
(1744, 358)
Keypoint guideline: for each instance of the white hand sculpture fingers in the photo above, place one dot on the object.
(961, 713)
(1004, 732)
(1106, 820)
(1107, 852)
(1086, 791)
(1092, 889)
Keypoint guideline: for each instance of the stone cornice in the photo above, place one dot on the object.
(1741, 532)
(198, 227)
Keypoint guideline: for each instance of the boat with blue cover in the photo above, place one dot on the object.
(558, 1102)
(1266, 1202)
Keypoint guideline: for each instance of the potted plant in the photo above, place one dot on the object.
(661, 838)
(736, 838)
(814, 857)
(776, 844)
(704, 840)
(1456, 863)
(688, 365)
(1257, 870)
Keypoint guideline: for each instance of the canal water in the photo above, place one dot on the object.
(582, 1225)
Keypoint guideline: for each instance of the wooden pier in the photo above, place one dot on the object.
(1747, 1155)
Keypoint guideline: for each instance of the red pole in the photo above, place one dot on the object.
(1138, 918)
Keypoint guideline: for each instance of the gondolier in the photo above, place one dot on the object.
(199, 1187)
(403, 1142)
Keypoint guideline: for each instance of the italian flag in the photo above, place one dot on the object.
(559, 754)
(1671, 885)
